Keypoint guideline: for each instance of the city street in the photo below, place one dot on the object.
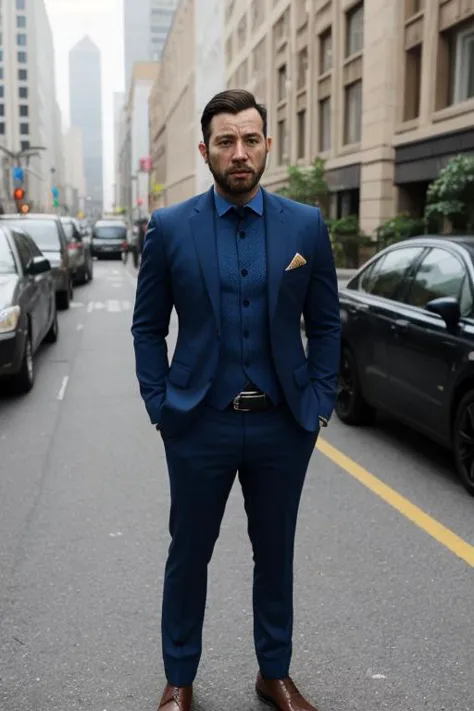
(384, 561)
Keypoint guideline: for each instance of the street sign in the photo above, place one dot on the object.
(55, 192)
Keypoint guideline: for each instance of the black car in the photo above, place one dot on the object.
(27, 307)
(49, 235)
(408, 342)
(109, 239)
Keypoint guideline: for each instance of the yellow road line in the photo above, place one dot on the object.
(431, 526)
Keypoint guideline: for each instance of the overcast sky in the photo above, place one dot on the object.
(102, 21)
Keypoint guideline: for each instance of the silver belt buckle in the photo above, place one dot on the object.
(236, 404)
(249, 394)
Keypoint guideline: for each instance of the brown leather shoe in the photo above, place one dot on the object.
(176, 698)
(282, 694)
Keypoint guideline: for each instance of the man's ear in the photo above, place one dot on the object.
(203, 151)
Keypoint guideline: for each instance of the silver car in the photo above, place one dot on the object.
(80, 256)
(48, 233)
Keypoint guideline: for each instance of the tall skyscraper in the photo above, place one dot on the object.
(146, 26)
(30, 122)
(85, 87)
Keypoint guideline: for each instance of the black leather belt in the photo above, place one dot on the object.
(252, 401)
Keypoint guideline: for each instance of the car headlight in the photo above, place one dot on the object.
(9, 319)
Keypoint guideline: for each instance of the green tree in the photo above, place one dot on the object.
(451, 196)
(307, 185)
(399, 228)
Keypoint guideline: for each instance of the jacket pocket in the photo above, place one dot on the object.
(301, 375)
(179, 375)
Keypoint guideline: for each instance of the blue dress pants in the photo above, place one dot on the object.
(270, 452)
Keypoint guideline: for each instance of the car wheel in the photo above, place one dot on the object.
(351, 408)
(64, 299)
(23, 381)
(463, 441)
(52, 335)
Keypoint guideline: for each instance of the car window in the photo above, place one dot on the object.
(69, 230)
(388, 280)
(23, 249)
(7, 260)
(34, 249)
(440, 274)
(43, 232)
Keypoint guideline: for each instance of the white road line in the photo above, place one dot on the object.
(90, 306)
(79, 327)
(63, 387)
(113, 305)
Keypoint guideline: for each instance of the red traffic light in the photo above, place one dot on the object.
(19, 194)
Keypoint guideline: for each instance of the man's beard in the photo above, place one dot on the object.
(236, 187)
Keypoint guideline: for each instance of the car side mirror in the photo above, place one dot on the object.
(448, 308)
(38, 265)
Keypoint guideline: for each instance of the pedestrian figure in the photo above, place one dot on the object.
(240, 266)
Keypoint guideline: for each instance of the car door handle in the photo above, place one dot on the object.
(400, 324)
(357, 308)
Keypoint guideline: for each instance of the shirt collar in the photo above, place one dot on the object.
(223, 206)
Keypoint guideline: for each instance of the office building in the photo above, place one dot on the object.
(191, 71)
(146, 24)
(75, 182)
(119, 124)
(134, 174)
(85, 96)
(383, 90)
(30, 121)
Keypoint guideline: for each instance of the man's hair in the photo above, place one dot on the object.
(231, 101)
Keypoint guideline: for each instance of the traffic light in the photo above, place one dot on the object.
(19, 194)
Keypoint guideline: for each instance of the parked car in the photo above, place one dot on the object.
(408, 342)
(48, 233)
(28, 313)
(80, 255)
(109, 238)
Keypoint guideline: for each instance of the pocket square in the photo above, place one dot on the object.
(297, 261)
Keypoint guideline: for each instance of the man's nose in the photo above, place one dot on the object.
(240, 152)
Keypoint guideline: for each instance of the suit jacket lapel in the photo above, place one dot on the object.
(278, 247)
(204, 234)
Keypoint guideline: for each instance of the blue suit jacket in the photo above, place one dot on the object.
(179, 268)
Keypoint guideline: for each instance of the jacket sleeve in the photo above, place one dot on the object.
(323, 322)
(151, 318)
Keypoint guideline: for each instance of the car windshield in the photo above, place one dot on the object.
(110, 232)
(44, 232)
(7, 262)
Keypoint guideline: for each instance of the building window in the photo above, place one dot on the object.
(24, 145)
(354, 30)
(2, 110)
(353, 113)
(23, 92)
(412, 83)
(24, 129)
(2, 128)
(228, 50)
(282, 142)
(413, 7)
(24, 110)
(301, 12)
(325, 125)
(301, 129)
(21, 21)
(282, 27)
(21, 4)
(2, 91)
(22, 74)
(302, 68)
(257, 14)
(22, 57)
(325, 52)
(21, 40)
(464, 66)
(282, 83)
(1, 72)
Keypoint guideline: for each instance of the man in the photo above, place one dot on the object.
(240, 266)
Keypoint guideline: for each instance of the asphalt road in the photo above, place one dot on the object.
(384, 609)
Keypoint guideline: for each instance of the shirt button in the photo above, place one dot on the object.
(246, 302)
(244, 272)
